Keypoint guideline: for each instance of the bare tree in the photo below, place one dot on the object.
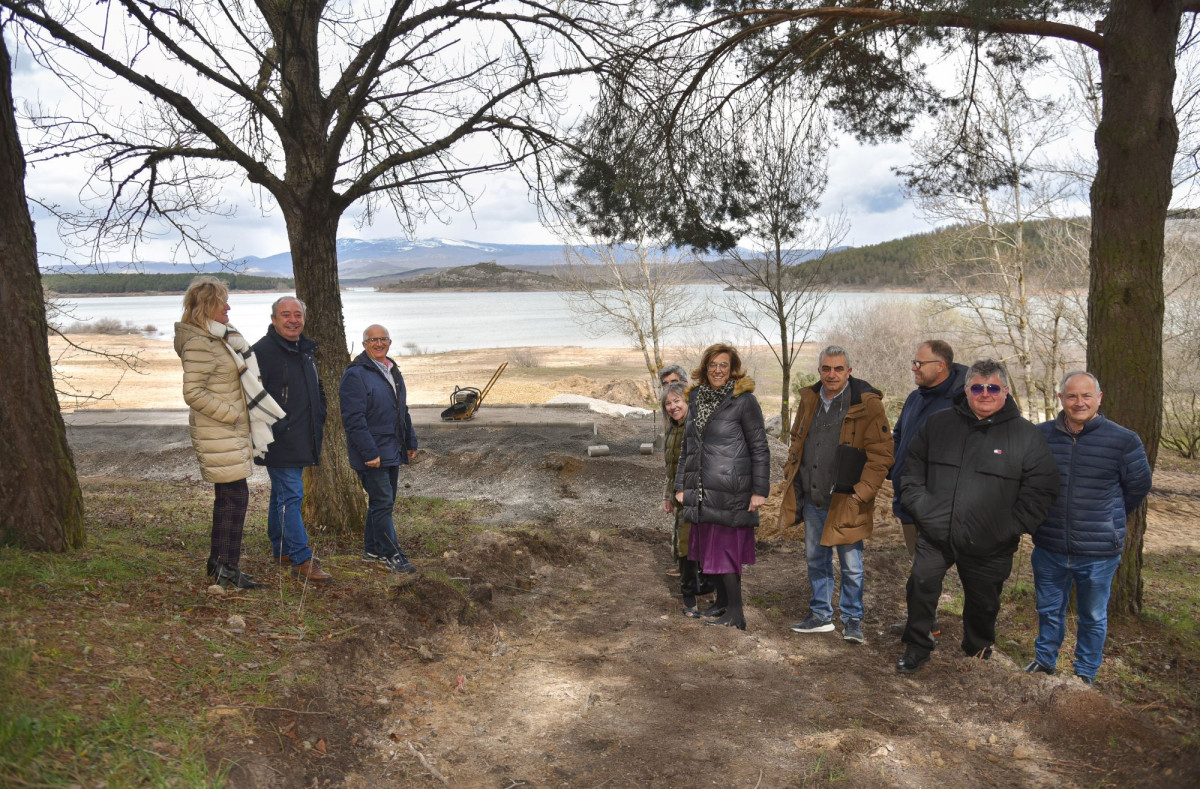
(640, 292)
(881, 337)
(41, 506)
(382, 104)
(778, 292)
(1181, 339)
(988, 172)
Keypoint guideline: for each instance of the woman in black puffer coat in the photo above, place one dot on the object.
(723, 477)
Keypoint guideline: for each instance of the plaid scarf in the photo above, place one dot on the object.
(263, 410)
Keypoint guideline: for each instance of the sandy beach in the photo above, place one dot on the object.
(534, 375)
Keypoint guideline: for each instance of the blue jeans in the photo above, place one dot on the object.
(379, 532)
(1053, 574)
(285, 526)
(820, 569)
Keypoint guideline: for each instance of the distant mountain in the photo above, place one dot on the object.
(360, 259)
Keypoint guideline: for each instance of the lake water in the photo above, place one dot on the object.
(439, 322)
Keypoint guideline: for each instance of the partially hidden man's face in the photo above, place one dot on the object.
(926, 367)
(672, 378)
(986, 396)
(288, 319)
(377, 342)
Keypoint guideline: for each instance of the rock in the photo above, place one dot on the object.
(216, 590)
(236, 623)
(1022, 752)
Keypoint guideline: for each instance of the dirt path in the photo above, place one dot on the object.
(603, 682)
(568, 663)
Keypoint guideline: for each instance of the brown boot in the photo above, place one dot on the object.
(311, 571)
(283, 561)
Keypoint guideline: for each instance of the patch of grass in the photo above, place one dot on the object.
(437, 525)
(1151, 662)
(118, 668)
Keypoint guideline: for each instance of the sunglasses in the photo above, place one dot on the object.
(992, 389)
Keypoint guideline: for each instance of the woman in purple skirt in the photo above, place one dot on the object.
(723, 477)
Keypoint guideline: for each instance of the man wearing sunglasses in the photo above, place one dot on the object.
(978, 476)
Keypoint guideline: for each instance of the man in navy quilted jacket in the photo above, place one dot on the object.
(1104, 476)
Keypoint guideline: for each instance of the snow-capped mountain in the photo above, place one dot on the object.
(369, 258)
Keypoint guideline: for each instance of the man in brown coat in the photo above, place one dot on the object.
(841, 448)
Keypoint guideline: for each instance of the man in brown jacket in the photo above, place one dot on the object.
(841, 448)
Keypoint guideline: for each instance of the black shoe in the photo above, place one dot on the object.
(911, 661)
(1089, 681)
(231, 577)
(727, 621)
(711, 611)
(1035, 667)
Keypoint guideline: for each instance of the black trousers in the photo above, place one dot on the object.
(982, 579)
(229, 516)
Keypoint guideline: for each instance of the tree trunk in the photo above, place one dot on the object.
(41, 506)
(1136, 143)
(333, 496)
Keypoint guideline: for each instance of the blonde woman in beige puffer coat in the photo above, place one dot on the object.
(219, 422)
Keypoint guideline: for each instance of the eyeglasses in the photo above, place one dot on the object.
(992, 389)
(377, 340)
(826, 369)
(919, 364)
(718, 365)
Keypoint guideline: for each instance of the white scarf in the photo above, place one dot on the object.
(263, 409)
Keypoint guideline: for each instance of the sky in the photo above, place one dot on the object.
(861, 185)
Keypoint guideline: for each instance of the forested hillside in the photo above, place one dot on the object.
(151, 283)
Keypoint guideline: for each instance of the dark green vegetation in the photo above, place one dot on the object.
(486, 276)
(152, 283)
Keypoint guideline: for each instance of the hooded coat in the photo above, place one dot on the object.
(864, 427)
(218, 421)
(730, 458)
(976, 485)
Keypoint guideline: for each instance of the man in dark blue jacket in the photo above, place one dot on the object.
(1104, 476)
(287, 364)
(380, 438)
(938, 380)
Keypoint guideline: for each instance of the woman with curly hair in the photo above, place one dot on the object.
(723, 477)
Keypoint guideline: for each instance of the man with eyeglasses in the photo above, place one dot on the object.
(978, 476)
(840, 451)
(938, 380)
(379, 439)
